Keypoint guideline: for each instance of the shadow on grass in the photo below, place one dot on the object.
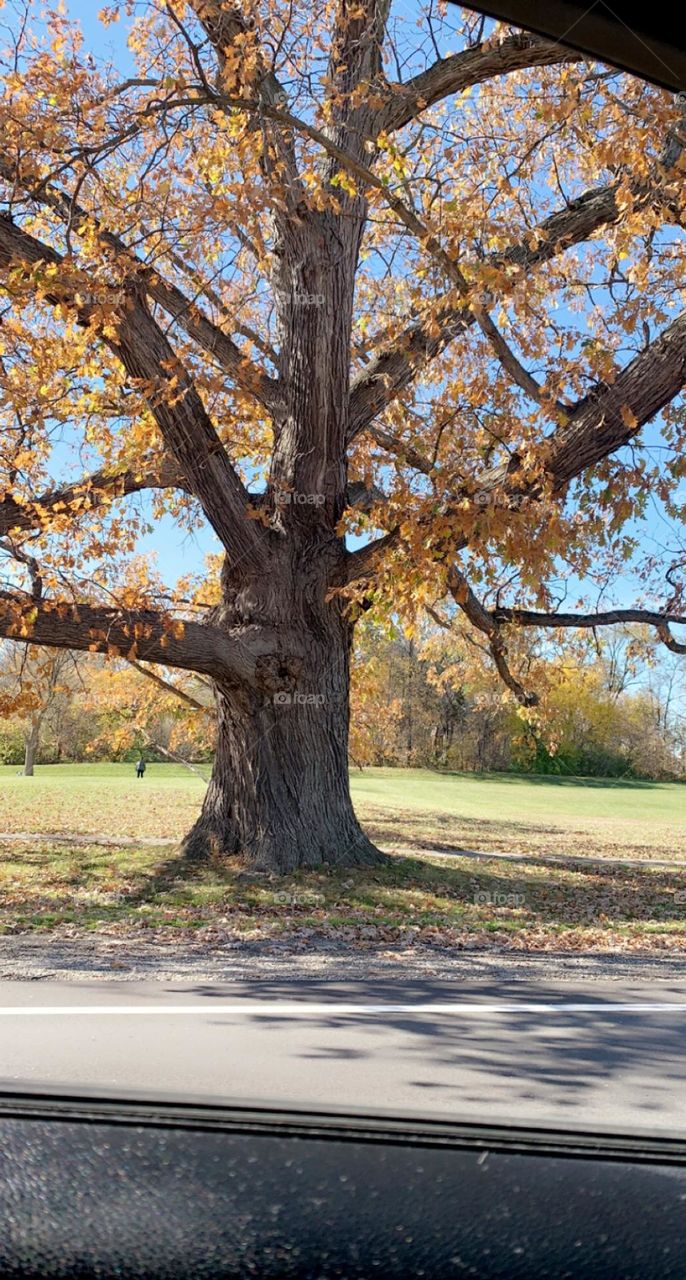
(58, 881)
(407, 829)
(555, 780)
(448, 834)
(407, 892)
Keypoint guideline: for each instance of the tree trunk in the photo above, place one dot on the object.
(279, 794)
(408, 705)
(31, 747)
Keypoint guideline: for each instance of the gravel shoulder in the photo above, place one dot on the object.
(113, 960)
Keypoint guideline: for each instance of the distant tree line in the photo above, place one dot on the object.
(422, 698)
(430, 700)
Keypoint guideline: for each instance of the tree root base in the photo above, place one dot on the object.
(204, 844)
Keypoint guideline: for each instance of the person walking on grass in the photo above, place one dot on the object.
(140, 768)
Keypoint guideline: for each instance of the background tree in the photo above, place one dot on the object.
(38, 684)
(375, 707)
(144, 710)
(290, 264)
(608, 707)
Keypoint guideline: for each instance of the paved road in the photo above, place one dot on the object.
(611, 1053)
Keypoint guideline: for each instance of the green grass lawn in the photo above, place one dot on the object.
(402, 808)
(426, 893)
(511, 813)
(101, 800)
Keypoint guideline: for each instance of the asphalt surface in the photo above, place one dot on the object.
(602, 1052)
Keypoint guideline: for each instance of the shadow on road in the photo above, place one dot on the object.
(513, 1059)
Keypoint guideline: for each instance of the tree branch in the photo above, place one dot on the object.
(173, 399)
(462, 70)
(406, 453)
(606, 420)
(362, 497)
(187, 314)
(167, 686)
(606, 618)
(137, 634)
(222, 26)
(612, 415)
(395, 367)
(211, 338)
(598, 426)
(484, 621)
(27, 515)
(30, 564)
(355, 63)
(363, 562)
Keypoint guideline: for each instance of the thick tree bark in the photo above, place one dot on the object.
(279, 795)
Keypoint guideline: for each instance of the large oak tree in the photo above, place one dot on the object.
(311, 270)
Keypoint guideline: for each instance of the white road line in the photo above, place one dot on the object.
(303, 1009)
